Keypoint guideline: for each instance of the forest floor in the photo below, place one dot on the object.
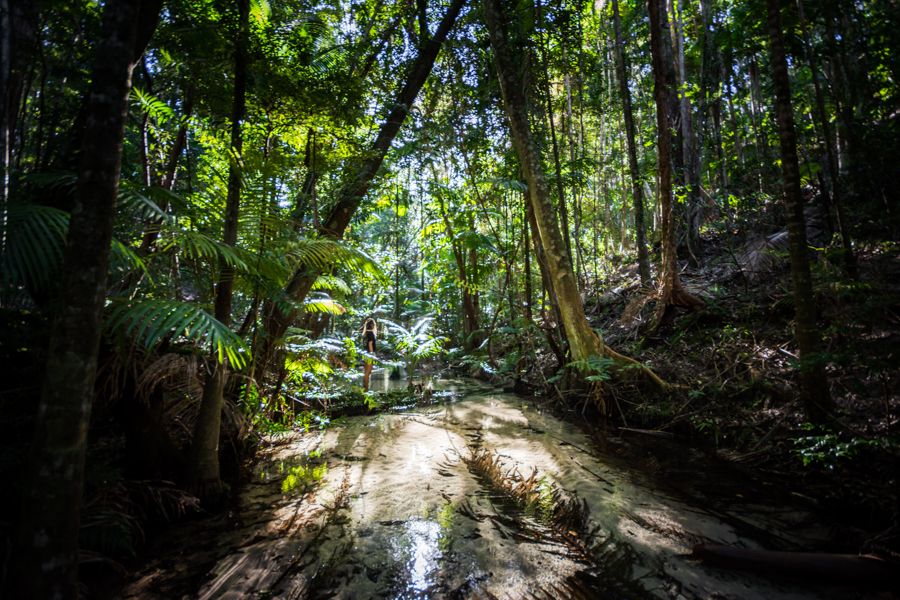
(735, 359)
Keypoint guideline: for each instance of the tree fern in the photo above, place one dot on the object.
(151, 321)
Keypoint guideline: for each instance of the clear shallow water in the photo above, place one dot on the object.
(392, 506)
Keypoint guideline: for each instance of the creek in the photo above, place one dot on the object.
(482, 494)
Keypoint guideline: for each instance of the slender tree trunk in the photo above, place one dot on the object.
(583, 341)
(168, 179)
(670, 288)
(6, 126)
(640, 227)
(756, 107)
(548, 97)
(837, 200)
(356, 184)
(526, 251)
(469, 296)
(813, 382)
(689, 145)
(49, 524)
(18, 45)
(205, 475)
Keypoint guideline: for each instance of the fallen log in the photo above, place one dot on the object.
(854, 569)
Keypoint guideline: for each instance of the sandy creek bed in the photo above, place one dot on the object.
(390, 506)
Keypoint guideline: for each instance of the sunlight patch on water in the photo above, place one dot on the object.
(417, 548)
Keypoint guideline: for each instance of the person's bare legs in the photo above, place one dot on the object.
(367, 371)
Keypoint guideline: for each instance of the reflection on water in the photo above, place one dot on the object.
(417, 549)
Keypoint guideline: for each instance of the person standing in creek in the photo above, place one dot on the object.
(370, 334)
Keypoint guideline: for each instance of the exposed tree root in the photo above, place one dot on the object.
(630, 363)
(670, 296)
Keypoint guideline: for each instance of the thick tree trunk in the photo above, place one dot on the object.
(814, 385)
(670, 288)
(204, 464)
(357, 182)
(48, 535)
(640, 227)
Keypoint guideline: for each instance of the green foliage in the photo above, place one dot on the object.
(301, 477)
(150, 322)
(828, 450)
(594, 368)
(416, 343)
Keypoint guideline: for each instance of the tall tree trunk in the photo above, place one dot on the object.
(205, 475)
(813, 382)
(526, 251)
(556, 337)
(168, 179)
(837, 200)
(18, 45)
(640, 227)
(583, 341)
(356, 184)
(689, 139)
(48, 528)
(759, 134)
(548, 98)
(467, 283)
(670, 289)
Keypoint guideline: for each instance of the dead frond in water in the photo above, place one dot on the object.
(608, 564)
(535, 495)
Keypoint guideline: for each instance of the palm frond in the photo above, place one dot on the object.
(323, 304)
(35, 246)
(326, 254)
(125, 260)
(194, 244)
(179, 373)
(141, 202)
(332, 284)
(152, 321)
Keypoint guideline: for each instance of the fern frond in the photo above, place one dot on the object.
(152, 321)
(153, 106)
(260, 11)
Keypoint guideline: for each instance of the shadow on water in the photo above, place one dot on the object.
(479, 497)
